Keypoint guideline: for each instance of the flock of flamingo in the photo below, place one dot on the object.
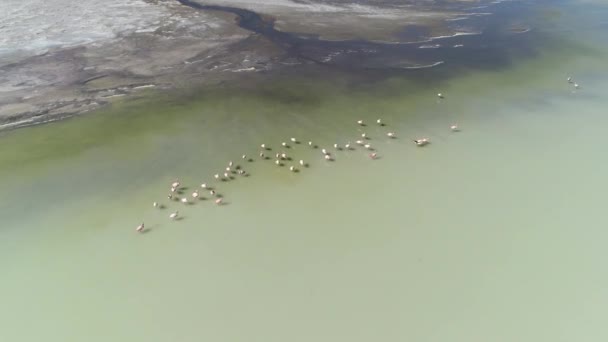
(280, 159)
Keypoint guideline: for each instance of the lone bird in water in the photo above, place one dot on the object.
(421, 142)
(440, 95)
(140, 228)
(155, 204)
(173, 216)
(454, 128)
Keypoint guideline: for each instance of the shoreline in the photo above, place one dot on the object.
(92, 77)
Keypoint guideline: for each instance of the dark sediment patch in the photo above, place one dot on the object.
(482, 43)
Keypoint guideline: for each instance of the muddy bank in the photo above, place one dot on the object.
(211, 44)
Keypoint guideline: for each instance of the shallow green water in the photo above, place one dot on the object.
(494, 233)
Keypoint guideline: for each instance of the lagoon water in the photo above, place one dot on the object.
(494, 233)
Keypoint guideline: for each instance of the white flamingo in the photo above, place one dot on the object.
(310, 143)
(195, 194)
(368, 146)
(360, 122)
(173, 215)
(175, 184)
(327, 157)
(363, 135)
(155, 204)
(284, 144)
(185, 200)
(140, 228)
(263, 146)
(360, 142)
(347, 146)
(226, 176)
(262, 155)
(302, 162)
(373, 155)
(204, 186)
(278, 162)
(283, 156)
(391, 134)
(294, 140)
(212, 192)
(324, 151)
(216, 176)
(454, 128)
(292, 168)
(379, 122)
(219, 201)
(569, 79)
(440, 95)
(421, 142)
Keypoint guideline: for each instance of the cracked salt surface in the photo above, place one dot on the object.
(31, 27)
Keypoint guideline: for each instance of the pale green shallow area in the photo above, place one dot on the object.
(494, 233)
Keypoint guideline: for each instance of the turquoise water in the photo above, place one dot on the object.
(492, 233)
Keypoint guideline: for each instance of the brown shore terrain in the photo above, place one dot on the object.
(200, 47)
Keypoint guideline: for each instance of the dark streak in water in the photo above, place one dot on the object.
(486, 49)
